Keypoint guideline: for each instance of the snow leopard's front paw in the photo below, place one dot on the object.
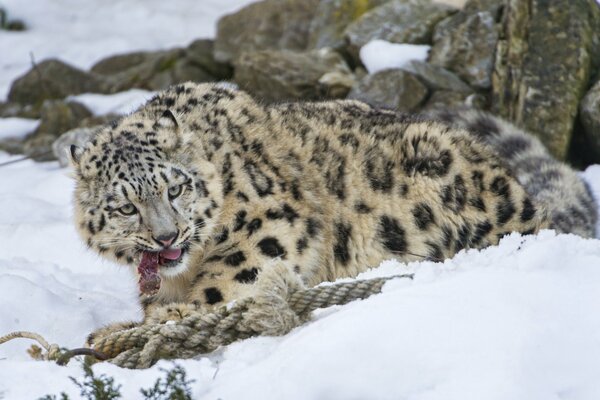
(171, 312)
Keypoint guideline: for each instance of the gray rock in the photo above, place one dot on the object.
(121, 62)
(53, 79)
(331, 19)
(12, 24)
(437, 78)
(543, 64)
(443, 99)
(464, 44)
(149, 70)
(392, 88)
(185, 70)
(8, 110)
(590, 118)
(78, 136)
(276, 75)
(57, 117)
(201, 53)
(161, 69)
(494, 7)
(397, 21)
(268, 24)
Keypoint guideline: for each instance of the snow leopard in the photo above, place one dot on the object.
(204, 187)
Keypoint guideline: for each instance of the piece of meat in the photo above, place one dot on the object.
(148, 269)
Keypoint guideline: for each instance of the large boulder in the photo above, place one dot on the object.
(543, 65)
(464, 43)
(276, 75)
(201, 54)
(151, 70)
(397, 21)
(392, 88)
(57, 117)
(53, 79)
(268, 24)
(331, 19)
(590, 119)
(437, 78)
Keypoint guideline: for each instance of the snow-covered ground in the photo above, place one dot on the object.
(515, 321)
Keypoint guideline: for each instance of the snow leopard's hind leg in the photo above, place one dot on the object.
(551, 184)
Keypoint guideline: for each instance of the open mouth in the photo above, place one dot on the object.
(149, 281)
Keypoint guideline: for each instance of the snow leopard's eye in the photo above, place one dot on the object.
(128, 209)
(175, 191)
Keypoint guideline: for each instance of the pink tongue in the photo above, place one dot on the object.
(170, 254)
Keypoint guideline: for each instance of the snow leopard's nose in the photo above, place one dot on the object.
(166, 239)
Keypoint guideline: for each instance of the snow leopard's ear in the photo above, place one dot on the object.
(168, 120)
(169, 136)
(74, 153)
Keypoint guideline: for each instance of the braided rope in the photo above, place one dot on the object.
(198, 333)
(275, 312)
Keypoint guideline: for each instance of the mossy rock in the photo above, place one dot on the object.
(276, 75)
(392, 88)
(53, 79)
(265, 25)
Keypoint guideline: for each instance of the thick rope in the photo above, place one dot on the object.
(142, 346)
(283, 306)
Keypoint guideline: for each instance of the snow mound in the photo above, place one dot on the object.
(119, 103)
(17, 128)
(378, 55)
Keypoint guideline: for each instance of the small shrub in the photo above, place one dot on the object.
(175, 386)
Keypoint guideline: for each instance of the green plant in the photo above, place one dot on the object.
(174, 387)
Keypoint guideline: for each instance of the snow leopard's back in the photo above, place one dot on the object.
(551, 184)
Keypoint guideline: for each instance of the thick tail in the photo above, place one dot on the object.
(551, 184)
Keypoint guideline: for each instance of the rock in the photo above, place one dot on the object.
(276, 75)
(185, 70)
(122, 62)
(494, 7)
(152, 71)
(78, 136)
(392, 88)
(397, 21)
(464, 44)
(144, 70)
(15, 25)
(331, 19)
(443, 99)
(543, 64)
(12, 146)
(201, 53)
(53, 79)
(57, 117)
(8, 110)
(590, 119)
(10, 25)
(437, 78)
(268, 24)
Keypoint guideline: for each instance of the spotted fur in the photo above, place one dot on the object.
(328, 189)
(552, 185)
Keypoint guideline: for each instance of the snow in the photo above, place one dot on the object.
(17, 128)
(514, 321)
(378, 55)
(118, 103)
(83, 32)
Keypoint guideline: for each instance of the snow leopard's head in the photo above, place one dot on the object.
(137, 200)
